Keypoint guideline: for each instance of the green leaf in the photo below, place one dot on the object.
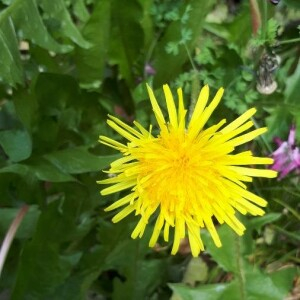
(116, 251)
(127, 38)
(169, 66)
(19, 169)
(142, 277)
(208, 291)
(90, 62)
(172, 48)
(54, 92)
(129, 256)
(260, 286)
(58, 11)
(10, 62)
(278, 122)
(225, 256)
(80, 10)
(46, 171)
(258, 222)
(218, 30)
(292, 3)
(26, 108)
(35, 30)
(79, 160)
(114, 247)
(283, 280)
(272, 27)
(39, 168)
(196, 271)
(16, 144)
(43, 266)
(291, 92)
(253, 283)
(147, 22)
(239, 29)
(256, 286)
(25, 18)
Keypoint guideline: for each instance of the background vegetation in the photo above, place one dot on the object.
(66, 64)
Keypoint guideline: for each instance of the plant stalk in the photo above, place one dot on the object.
(11, 234)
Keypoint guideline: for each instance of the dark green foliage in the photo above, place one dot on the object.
(65, 65)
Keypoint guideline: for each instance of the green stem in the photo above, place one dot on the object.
(190, 58)
(290, 190)
(239, 263)
(11, 234)
(287, 233)
(296, 40)
(289, 208)
(194, 94)
(264, 20)
(151, 49)
(255, 16)
(195, 84)
(269, 148)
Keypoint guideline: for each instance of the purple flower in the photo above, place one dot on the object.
(287, 156)
(149, 70)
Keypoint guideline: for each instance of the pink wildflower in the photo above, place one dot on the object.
(287, 156)
(149, 70)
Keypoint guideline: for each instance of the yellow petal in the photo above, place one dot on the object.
(121, 131)
(255, 172)
(201, 121)
(125, 126)
(111, 143)
(181, 110)
(123, 213)
(118, 187)
(156, 231)
(121, 202)
(170, 106)
(248, 136)
(200, 105)
(156, 109)
(239, 121)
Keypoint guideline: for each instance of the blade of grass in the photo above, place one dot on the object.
(11, 234)
(287, 233)
(289, 208)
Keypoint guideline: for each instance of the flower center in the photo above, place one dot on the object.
(181, 162)
(171, 167)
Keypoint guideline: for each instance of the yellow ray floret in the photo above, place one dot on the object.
(186, 176)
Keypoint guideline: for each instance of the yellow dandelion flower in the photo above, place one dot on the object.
(186, 175)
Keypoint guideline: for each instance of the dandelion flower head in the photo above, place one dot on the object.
(186, 176)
